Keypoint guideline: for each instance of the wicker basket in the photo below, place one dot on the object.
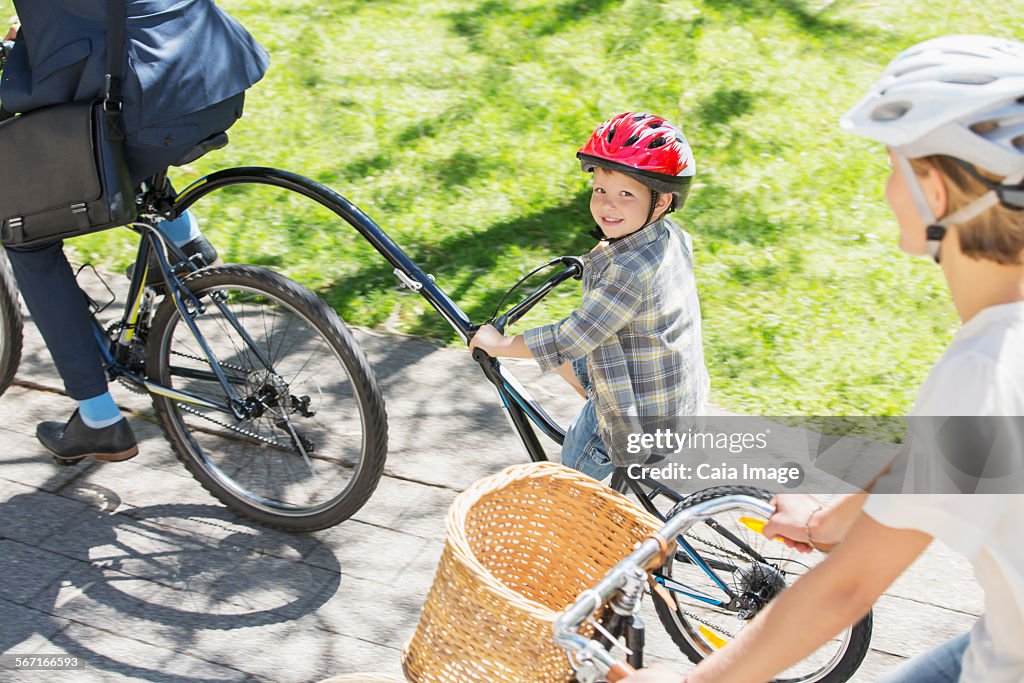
(520, 546)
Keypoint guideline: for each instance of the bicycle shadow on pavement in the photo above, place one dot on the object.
(104, 582)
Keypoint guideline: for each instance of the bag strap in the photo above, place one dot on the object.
(116, 58)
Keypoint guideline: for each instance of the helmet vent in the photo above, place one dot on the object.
(966, 53)
(969, 79)
(890, 111)
(611, 134)
(900, 73)
(984, 127)
(1018, 142)
(630, 140)
(657, 142)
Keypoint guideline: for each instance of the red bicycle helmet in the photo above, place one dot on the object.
(645, 147)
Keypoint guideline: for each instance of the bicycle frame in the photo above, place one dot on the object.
(521, 409)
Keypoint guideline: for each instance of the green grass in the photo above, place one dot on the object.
(454, 125)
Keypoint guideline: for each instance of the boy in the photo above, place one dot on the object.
(635, 341)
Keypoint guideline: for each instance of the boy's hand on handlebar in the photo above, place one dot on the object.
(654, 674)
(497, 344)
(489, 339)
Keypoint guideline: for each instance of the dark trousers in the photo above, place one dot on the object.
(47, 282)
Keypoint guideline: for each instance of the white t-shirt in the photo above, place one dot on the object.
(981, 373)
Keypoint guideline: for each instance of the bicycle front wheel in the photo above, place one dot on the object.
(310, 444)
(702, 617)
(10, 325)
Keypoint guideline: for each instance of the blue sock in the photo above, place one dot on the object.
(181, 230)
(99, 411)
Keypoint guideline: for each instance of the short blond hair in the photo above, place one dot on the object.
(994, 235)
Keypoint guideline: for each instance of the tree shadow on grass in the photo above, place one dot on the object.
(814, 23)
(724, 105)
(405, 138)
(557, 230)
(539, 21)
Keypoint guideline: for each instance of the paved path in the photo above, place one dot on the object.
(134, 569)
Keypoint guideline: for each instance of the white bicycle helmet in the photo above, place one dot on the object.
(957, 96)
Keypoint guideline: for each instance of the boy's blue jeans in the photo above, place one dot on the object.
(583, 448)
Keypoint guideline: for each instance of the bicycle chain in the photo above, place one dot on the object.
(727, 551)
(131, 386)
(716, 627)
(234, 428)
(205, 360)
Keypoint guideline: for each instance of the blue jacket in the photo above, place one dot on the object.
(183, 56)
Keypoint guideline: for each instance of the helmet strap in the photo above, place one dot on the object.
(650, 212)
(935, 230)
(1010, 190)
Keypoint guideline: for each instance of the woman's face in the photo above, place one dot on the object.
(913, 239)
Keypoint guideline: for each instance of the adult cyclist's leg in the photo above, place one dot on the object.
(59, 310)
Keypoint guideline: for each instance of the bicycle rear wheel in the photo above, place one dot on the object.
(312, 448)
(10, 325)
(756, 569)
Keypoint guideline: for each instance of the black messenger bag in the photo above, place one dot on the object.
(64, 172)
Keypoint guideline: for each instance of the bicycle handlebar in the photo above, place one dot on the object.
(632, 572)
(573, 269)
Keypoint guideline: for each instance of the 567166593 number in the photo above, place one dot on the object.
(40, 662)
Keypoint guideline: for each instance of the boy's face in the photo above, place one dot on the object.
(619, 204)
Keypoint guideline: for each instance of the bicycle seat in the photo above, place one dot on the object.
(215, 141)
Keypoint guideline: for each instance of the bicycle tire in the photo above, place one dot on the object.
(698, 629)
(11, 326)
(260, 467)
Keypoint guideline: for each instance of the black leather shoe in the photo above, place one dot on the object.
(199, 245)
(75, 440)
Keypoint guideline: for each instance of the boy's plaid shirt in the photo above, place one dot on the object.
(639, 326)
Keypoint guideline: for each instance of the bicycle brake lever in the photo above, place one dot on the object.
(574, 262)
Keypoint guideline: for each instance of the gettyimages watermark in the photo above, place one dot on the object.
(964, 455)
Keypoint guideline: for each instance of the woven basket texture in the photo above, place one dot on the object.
(520, 546)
